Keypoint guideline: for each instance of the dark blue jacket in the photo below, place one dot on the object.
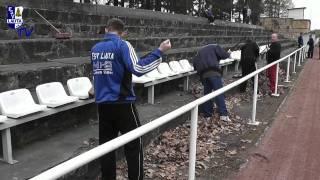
(208, 58)
(311, 43)
(300, 41)
(114, 61)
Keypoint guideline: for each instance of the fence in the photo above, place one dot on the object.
(76, 162)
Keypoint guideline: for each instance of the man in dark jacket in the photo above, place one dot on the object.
(208, 14)
(273, 54)
(311, 47)
(206, 63)
(249, 56)
(114, 61)
(300, 41)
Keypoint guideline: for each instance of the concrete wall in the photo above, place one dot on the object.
(288, 27)
(67, 6)
(301, 26)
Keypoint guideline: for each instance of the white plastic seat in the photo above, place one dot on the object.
(53, 95)
(155, 74)
(141, 80)
(230, 60)
(222, 61)
(164, 68)
(3, 119)
(226, 61)
(18, 103)
(79, 87)
(186, 65)
(176, 67)
(263, 49)
(235, 55)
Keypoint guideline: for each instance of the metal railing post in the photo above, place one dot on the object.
(295, 62)
(300, 57)
(193, 143)
(302, 50)
(288, 70)
(277, 81)
(255, 99)
(304, 54)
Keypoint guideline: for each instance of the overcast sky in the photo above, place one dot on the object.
(312, 12)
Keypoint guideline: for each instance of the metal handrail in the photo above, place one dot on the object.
(97, 152)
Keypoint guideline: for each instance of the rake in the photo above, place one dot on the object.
(59, 34)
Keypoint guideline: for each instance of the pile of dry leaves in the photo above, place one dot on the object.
(167, 156)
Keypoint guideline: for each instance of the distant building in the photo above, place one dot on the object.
(290, 26)
(296, 13)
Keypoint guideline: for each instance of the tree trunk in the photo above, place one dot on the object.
(148, 4)
(122, 3)
(158, 5)
(115, 2)
(131, 3)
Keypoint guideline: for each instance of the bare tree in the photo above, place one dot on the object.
(284, 6)
(277, 8)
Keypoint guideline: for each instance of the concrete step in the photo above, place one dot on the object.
(69, 17)
(42, 50)
(111, 11)
(30, 75)
(42, 30)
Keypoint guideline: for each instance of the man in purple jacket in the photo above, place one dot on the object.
(206, 62)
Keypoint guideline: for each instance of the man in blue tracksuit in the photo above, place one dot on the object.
(206, 62)
(114, 61)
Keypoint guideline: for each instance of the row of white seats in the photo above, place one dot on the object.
(18, 103)
(172, 68)
(3, 118)
(165, 70)
(236, 55)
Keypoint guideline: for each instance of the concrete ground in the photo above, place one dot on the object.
(290, 148)
(42, 155)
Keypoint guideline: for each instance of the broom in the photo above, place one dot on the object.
(59, 34)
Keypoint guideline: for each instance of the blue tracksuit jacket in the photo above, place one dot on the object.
(114, 61)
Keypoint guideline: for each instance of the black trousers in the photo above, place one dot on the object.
(247, 68)
(310, 52)
(211, 19)
(115, 118)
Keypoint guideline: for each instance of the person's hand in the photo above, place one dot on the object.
(91, 92)
(165, 46)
